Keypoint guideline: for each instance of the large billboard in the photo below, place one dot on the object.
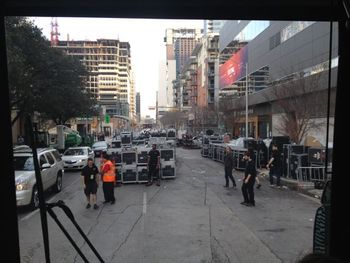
(234, 68)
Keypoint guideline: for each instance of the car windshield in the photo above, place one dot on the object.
(100, 144)
(23, 163)
(71, 152)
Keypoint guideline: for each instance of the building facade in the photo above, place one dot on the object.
(264, 57)
(138, 107)
(110, 77)
(213, 26)
(179, 46)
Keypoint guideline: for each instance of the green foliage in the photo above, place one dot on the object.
(42, 78)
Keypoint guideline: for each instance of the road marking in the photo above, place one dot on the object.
(144, 207)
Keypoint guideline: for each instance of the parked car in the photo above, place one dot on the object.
(52, 171)
(77, 157)
(99, 148)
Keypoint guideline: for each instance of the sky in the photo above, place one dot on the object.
(146, 38)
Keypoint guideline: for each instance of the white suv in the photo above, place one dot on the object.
(52, 171)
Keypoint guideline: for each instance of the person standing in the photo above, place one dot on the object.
(108, 179)
(275, 166)
(249, 181)
(153, 165)
(253, 156)
(90, 183)
(228, 161)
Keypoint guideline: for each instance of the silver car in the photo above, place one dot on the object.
(52, 171)
(99, 148)
(77, 157)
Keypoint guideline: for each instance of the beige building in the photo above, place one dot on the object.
(110, 77)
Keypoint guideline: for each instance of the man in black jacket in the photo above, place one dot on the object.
(249, 181)
(228, 160)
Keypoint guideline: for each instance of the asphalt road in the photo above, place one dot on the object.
(192, 218)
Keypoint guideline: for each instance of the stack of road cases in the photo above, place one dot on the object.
(129, 165)
(142, 158)
(126, 139)
(317, 160)
(167, 163)
(205, 146)
(171, 134)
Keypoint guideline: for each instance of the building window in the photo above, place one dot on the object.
(294, 28)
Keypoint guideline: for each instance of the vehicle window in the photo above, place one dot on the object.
(57, 155)
(72, 152)
(23, 163)
(50, 158)
(263, 82)
(100, 144)
(42, 159)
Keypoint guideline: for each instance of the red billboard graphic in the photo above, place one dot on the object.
(234, 68)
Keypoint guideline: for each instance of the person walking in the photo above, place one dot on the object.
(275, 166)
(249, 181)
(153, 165)
(90, 183)
(228, 161)
(108, 178)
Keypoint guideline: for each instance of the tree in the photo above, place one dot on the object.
(26, 49)
(228, 107)
(173, 119)
(299, 100)
(43, 79)
(65, 96)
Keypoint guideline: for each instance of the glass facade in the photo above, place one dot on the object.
(252, 30)
(294, 28)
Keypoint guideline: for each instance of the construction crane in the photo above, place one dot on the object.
(54, 32)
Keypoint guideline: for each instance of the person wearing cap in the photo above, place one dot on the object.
(90, 183)
(153, 164)
(108, 179)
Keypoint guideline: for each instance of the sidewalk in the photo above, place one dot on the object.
(306, 188)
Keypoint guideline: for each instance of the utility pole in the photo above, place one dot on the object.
(246, 101)
(156, 108)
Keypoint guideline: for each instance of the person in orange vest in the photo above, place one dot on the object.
(108, 179)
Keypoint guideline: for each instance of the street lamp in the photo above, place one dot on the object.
(246, 101)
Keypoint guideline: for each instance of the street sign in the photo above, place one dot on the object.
(107, 118)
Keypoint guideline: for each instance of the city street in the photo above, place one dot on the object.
(192, 218)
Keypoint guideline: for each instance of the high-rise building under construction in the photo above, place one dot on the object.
(110, 75)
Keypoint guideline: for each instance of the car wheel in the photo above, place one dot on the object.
(34, 203)
(58, 185)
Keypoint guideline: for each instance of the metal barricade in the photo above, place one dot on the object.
(313, 176)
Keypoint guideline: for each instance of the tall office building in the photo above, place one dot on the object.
(138, 106)
(110, 77)
(179, 46)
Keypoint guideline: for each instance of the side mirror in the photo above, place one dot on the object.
(45, 166)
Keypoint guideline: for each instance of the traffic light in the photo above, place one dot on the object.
(107, 118)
